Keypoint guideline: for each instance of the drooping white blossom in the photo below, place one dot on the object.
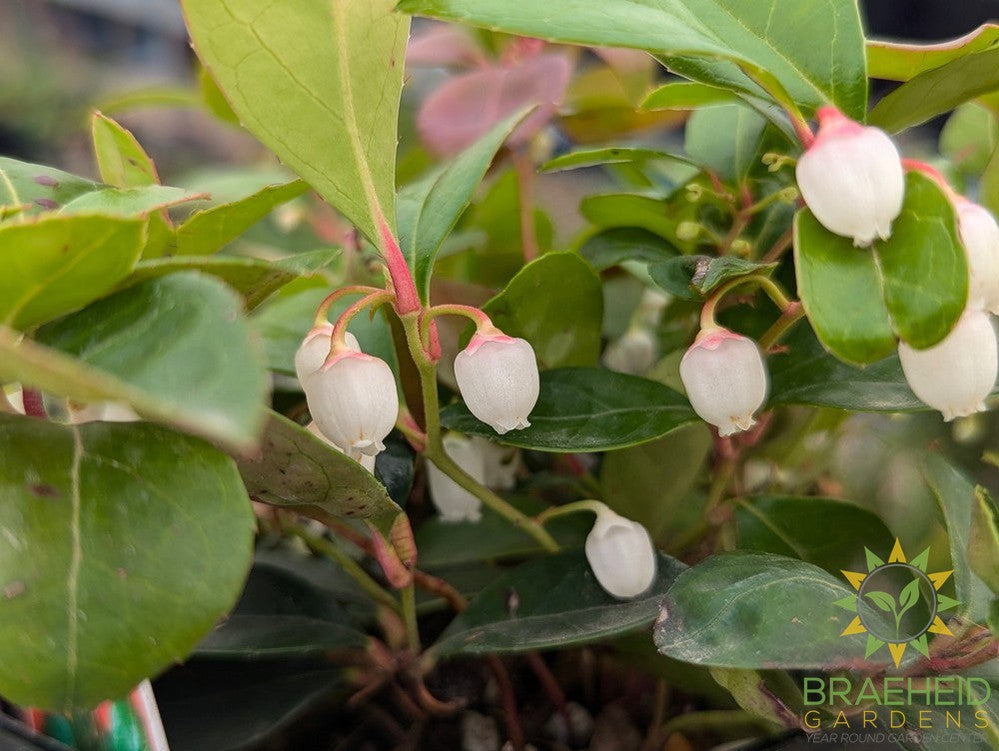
(621, 555)
(365, 460)
(501, 463)
(725, 379)
(314, 349)
(851, 178)
(454, 503)
(957, 374)
(353, 401)
(980, 236)
(498, 379)
(634, 353)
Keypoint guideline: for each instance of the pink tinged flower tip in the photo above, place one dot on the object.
(498, 379)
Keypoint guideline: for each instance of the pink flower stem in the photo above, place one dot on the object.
(483, 324)
(406, 298)
(322, 312)
(772, 289)
(337, 343)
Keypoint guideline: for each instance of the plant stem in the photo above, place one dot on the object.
(349, 565)
(779, 248)
(340, 329)
(570, 508)
(322, 312)
(525, 191)
(409, 616)
(477, 316)
(791, 315)
(768, 285)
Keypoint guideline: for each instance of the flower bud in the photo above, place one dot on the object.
(957, 374)
(980, 235)
(454, 503)
(621, 554)
(314, 349)
(852, 179)
(365, 460)
(354, 402)
(725, 379)
(498, 379)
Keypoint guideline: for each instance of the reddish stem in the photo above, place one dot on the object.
(33, 404)
(407, 300)
(509, 702)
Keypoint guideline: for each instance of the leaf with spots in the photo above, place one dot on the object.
(89, 515)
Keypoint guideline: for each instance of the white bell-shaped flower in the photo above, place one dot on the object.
(454, 503)
(315, 347)
(501, 463)
(621, 554)
(725, 379)
(852, 179)
(354, 402)
(634, 353)
(957, 374)
(498, 379)
(980, 235)
(365, 460)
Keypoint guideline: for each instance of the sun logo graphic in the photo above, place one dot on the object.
(897, 603)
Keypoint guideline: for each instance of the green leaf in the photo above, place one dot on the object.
(608, 155)
(429, 208)
(807, 374)
(923, 265)
(955, 496)
(628, 210)
(983, 549)
(632, 480)
(274, 636)
(757, 610)
(696, 277)
(297, 469)
(969, 138)
(900, 61)
(57, 264)
(820, 531)
(96, 609)
(883, 600)
(813, 50)
(560, 605)
(610, 247)
(908, 597)
(128, 202)
(38, 188)
(444, 543)
(254, 279)
(122, 162)
(556, 303)
(936, 91)
(319, 84)
(588, 409)
(726, 139)
(155, 346)
(213, 228)
(839, 286)
(684, 95)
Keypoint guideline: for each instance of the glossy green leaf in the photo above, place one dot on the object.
(319, 84)
(725, 139)
(56, 264)
(103, 505)
(122, 162)
(38, 188)
(127, 202)
(588, 409)
(627, 210)
(983, 550)
(560, 605)
(298, 469)
(256, 637)
(254, 279)
(807, 374)
(901, 61)
(556, 303)
(813, 50)
(839, 286)
(757, 610)
(923, 265)
(448, 543)
(685, 95)
(956, 497)
(821, 531)
(213, 228)
(155, 346)
(429, 208)
(696, 277)
(608, 155)
(610, 247)
(633, 480)
(937, 91)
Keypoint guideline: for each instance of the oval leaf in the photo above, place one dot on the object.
(611, 247)
(695, 277)
(560, 605)
(93, 510)
(588, 409)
